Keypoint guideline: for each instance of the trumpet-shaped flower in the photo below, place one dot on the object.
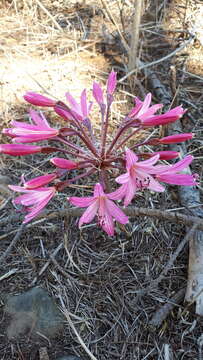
(18, 149)
(80, 111)
(98, 93)
(111, 83)
(142, 109)
(38, 99)
(173, 139)
(64, 163)
(101, 205)
(33, 201)
(170, 173)
(23, 132)
(163, 155)
(39, 181)
(144, 113)
(137, 177)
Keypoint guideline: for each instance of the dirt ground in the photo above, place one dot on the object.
(103, 286)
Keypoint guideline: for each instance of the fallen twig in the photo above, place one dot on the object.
(190, 196)
(130, 211)
(162, 313)
(154, 283)
(43, 269)
(49, 15)
(13, 243)
(142, 66)
(71, 324)
(108, 11)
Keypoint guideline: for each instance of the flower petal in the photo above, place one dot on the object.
(89, 214)
(177, 179)
(81, 201)
(64, 163)
(38, 99)
(131, 158)
(118, 214)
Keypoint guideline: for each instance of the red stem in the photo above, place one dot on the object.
(75, 147)
(66, 183)
(77, 123)
(119, 133)
(127, 138)
(105, 125)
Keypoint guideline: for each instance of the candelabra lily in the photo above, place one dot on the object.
(119, 170)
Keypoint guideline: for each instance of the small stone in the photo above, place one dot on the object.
(33, 313)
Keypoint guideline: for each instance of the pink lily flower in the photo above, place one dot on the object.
(170, 174)
(18, 149)
(163, 155)
(40, 130)
(173, 139)
(169, 117)
(62, 110)
(38, 99)
(98, 93)
(137, 177)
(37, 198)
(142, 109)
(82, 110)
(101, 205)
(111, 83)
(39, 181)
(145, 114)
(64, 163)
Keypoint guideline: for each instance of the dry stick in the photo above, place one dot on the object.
(191, 196)
(134, 212)
(132, 63)
(188, 196)
(130, 211)
(162, 313)
(52, 256)
(127, 48)
(66, 313)
(154, 283)
(13, 243)
(142, 66)
(49, 15)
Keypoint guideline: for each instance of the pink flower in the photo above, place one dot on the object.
(145, 114)
(82, 110)
(101, 205)
(111, 83)
(137, 177)
(168, 117)
(37, 99)
(64, 163)
(39, 181)
(142, 109)
(40, 130)
(17, 149)
(37, 198)
(63, 110)
(176, 138)
(170, 174)
(164, 155)
(98, 93)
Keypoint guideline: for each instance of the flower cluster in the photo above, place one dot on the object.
(101, 157)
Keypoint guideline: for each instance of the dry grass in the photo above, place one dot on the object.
(96, 280)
